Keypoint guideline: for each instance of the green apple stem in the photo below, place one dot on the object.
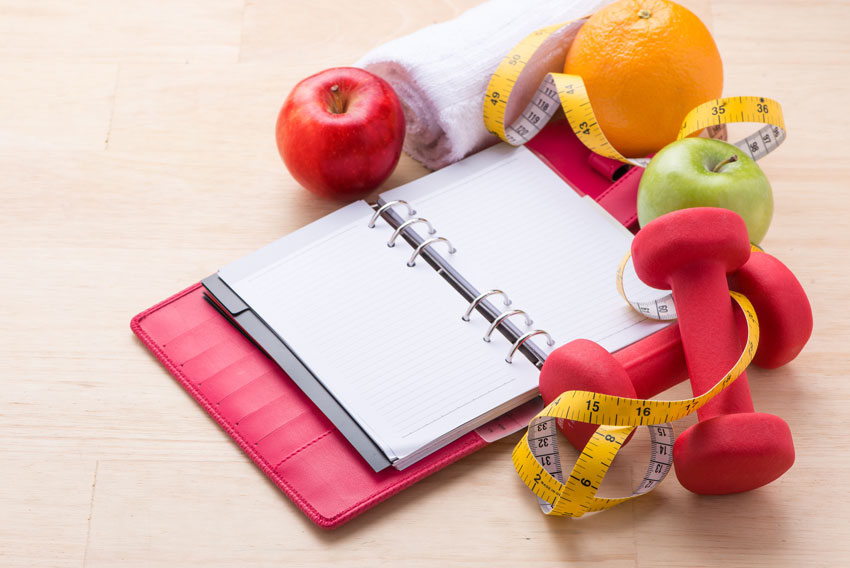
(729, 160)
(337, 104)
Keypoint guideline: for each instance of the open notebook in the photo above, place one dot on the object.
(381, 346)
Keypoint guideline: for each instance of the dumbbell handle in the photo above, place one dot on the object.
(709, 338)
(655, 363)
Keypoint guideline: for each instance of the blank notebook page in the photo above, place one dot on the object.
(520, 228)
(386, 339)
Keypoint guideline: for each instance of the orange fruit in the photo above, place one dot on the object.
(645, 63)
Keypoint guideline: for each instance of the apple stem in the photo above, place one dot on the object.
(729, 160)
(337, 104)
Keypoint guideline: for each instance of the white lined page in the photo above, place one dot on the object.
(385, 338)
(388, 340)
(520, 228)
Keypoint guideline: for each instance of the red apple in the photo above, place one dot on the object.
(340, 132)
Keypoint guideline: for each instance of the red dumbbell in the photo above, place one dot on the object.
(656, 363)
(732, 448)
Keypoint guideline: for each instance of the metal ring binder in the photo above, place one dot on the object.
(425, 243)
(406, 224)
(549, 341)
(504, 316)
(387, 205)
(479, 298)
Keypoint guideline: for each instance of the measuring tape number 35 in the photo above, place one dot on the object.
(536, 456)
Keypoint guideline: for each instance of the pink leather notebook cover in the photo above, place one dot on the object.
(274, 423)
(264, 412)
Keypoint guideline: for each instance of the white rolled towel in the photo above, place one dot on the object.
(441, 72)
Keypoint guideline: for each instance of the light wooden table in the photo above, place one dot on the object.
(137, 156)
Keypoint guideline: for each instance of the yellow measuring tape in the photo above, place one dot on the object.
(558, 90)
(536, 456)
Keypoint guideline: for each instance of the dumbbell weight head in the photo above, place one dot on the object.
(782, 307)
(732, 453)
(690, 242)
(582, 365)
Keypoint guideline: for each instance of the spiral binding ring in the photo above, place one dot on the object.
(549, 341)
(479, 298)
(387, 205)
(503, 316)
(406, 224)
(412, 262)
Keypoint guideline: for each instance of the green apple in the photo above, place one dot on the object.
(700, 172)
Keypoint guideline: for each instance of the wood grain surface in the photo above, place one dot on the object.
(137, 156)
